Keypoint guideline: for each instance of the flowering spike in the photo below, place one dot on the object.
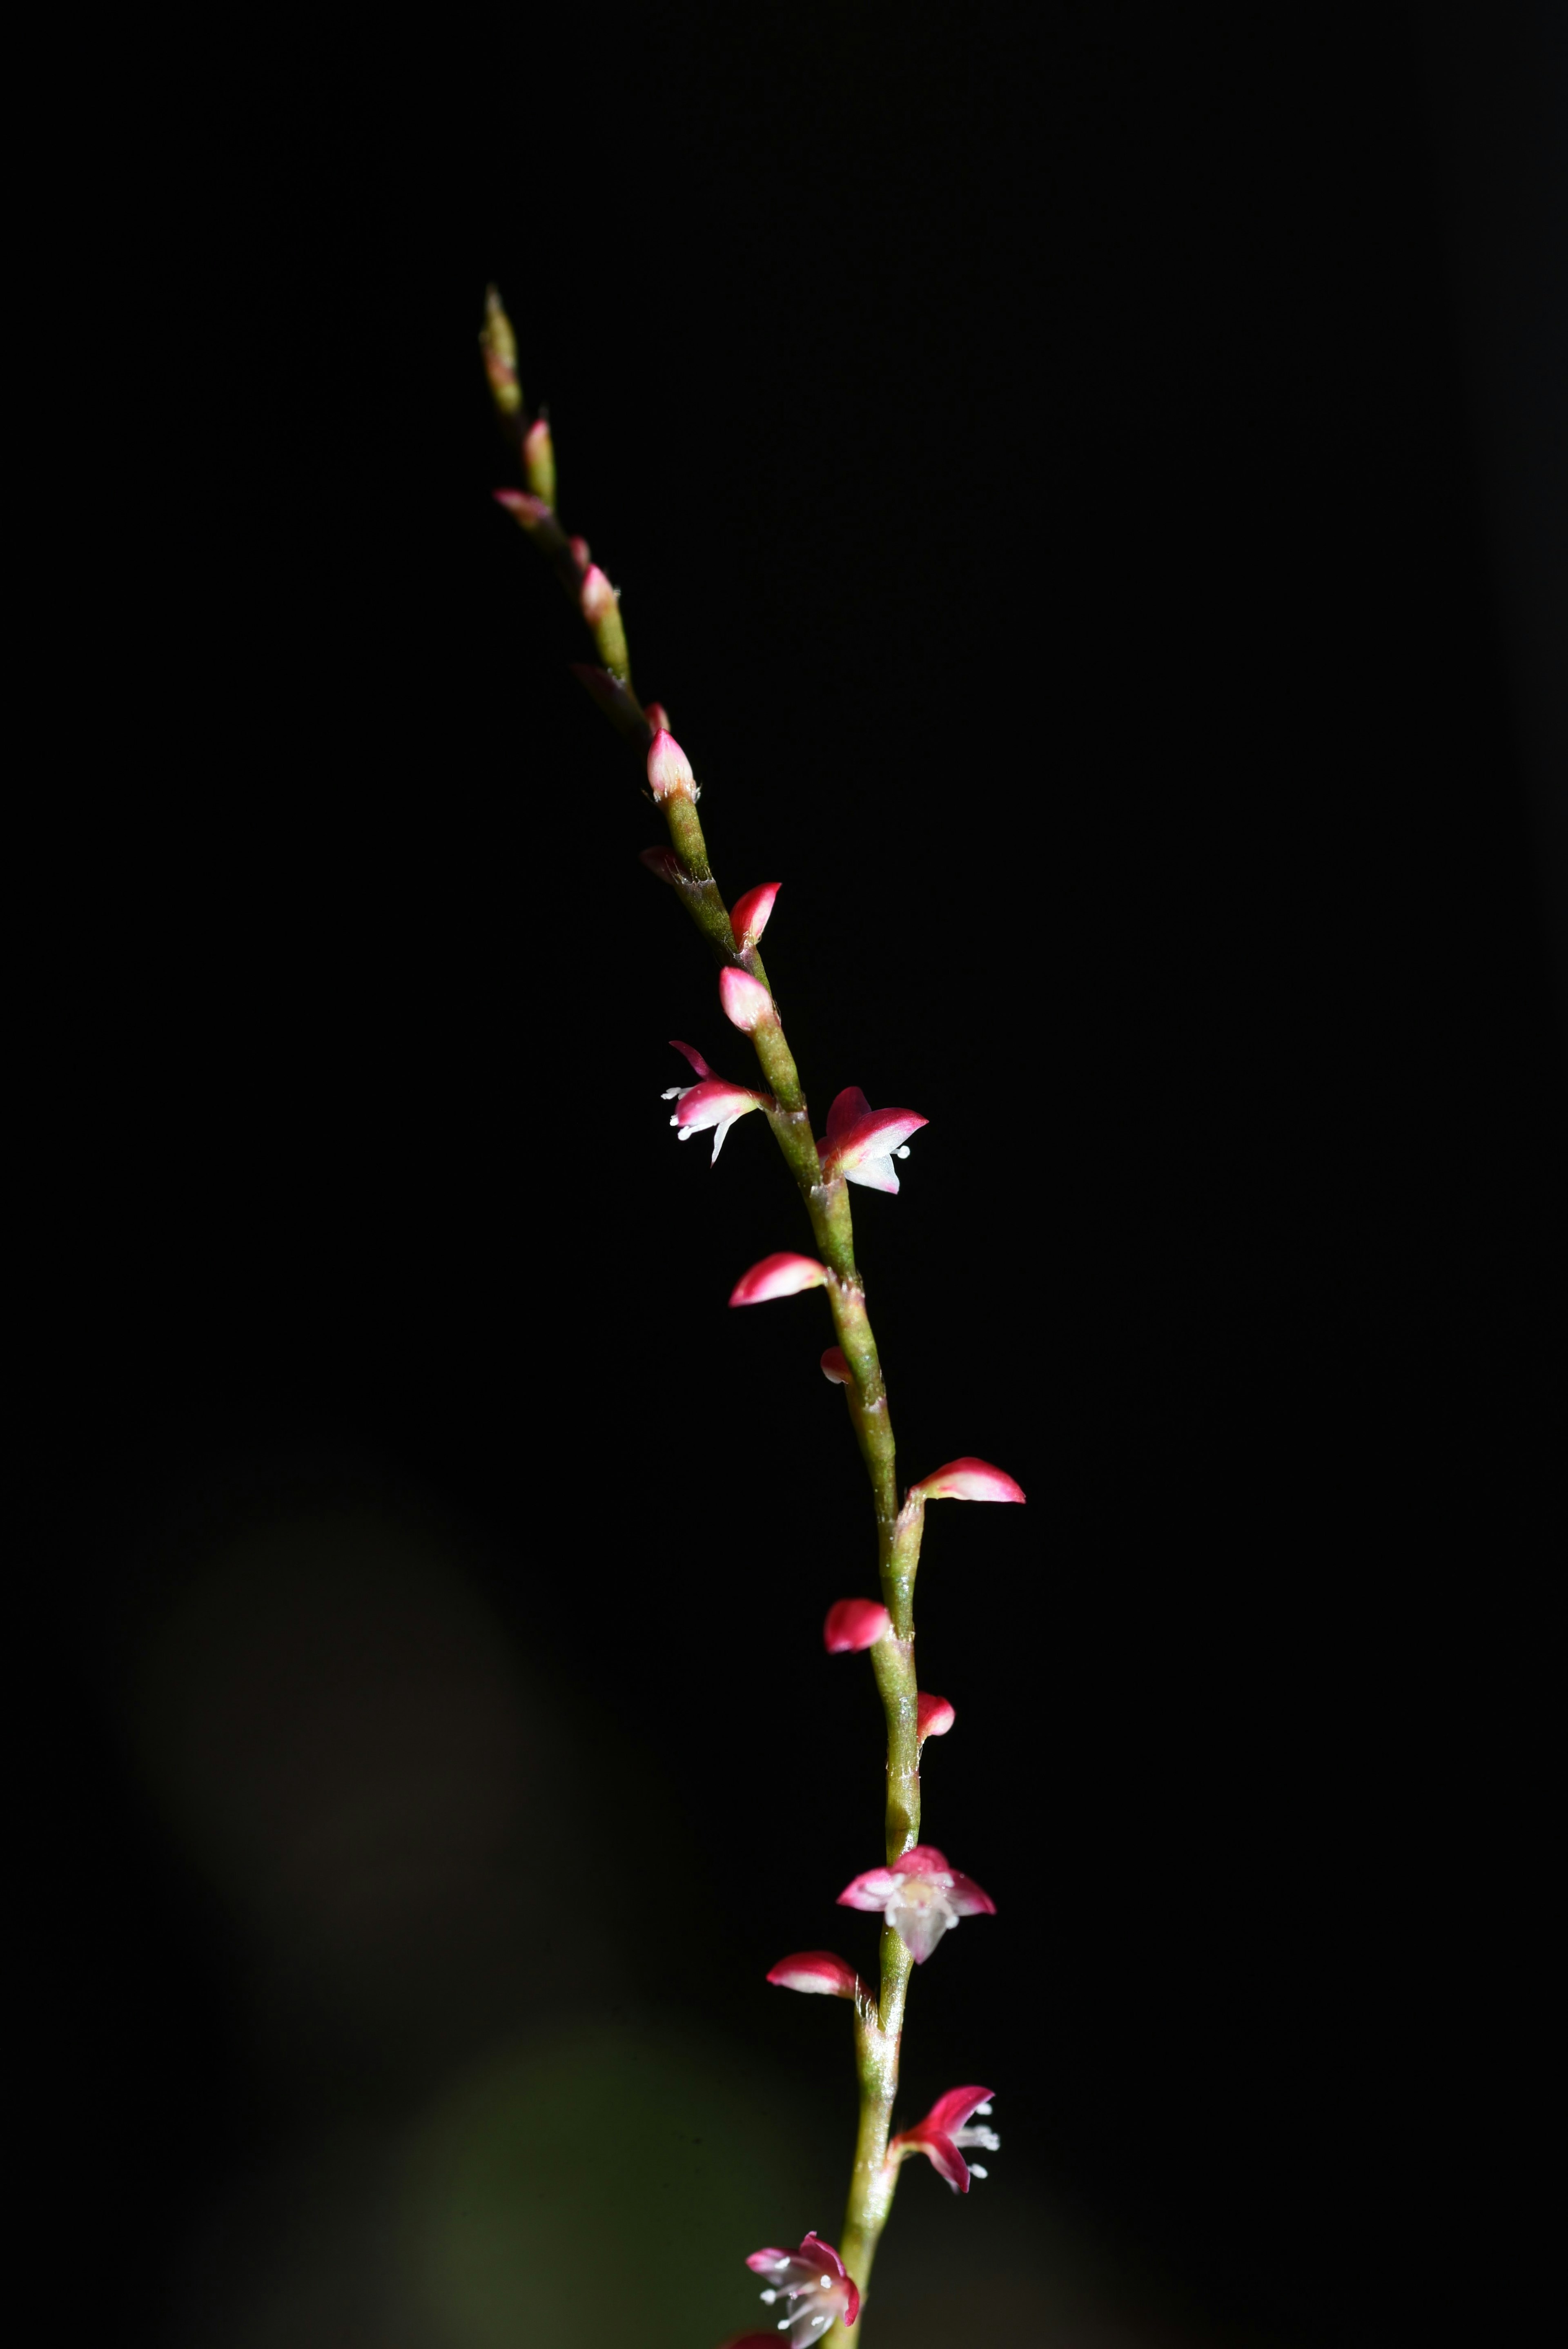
(746, 1000)
(778, 1276)
(498, 347)
(669, 769)
(539, 461)
(749, 915)
(664, 865)
(944, 2130)
(853, 1624)
(920, 1896)
(814, 2282)
(967, 1480)
(935, 1716)
(819, 1970)
(862, 1143)
(836, 1369)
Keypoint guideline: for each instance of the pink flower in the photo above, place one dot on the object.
(967, 1480)
(749, 915)
(944, 2130)
(861, 1142)
(935, 1716)
(710, 1102)
(814, 2282)
(835, 1369)
(746, 1002)
(819, 1970)
(778, 1276)
(669, 769)
(920, 1897)
(854, 1623)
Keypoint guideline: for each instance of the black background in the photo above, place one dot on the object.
(1037, 451)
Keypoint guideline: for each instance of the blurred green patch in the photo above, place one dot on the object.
(605, 2185)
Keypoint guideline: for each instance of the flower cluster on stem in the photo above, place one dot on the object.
(917, 1894)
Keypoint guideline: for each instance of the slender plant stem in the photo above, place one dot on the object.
(879, 2023)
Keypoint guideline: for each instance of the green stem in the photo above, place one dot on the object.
(879, 2028)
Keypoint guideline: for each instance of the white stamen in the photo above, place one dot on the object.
(674, 1093)
(975, 2170)
(903, 1153)
(982, 2109)
(768, 2297)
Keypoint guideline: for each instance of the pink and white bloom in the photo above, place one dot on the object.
(853, 1624)
(835, 1369)
(920, 1896)
(967, 1480)
(862, 1143)
(711, 1101)
(669, 769)
(746, 1002)
(778, 1276)
(819, 1971)
(749, 915)
(816, 2284)
(934, 1715)
(944, 2130)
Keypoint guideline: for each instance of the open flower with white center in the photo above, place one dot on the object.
(815, 2284)
(862, 1143)
(712, 1101)
(920, 1896)
(946, 2128)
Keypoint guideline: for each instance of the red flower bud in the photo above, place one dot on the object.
(967, 1480)
(778, 1276)
(854, 1623)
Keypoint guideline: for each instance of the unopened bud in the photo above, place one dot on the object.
(498, 347)
(602, 610)
(748, 917)
(836, 1369)
(853, 1624)
(579, 552)
(664, 865)
(669, 769)
(784, 1275)
(819, 1971)
(967, 1480)
(539, 461)
(935, 1716)
(746, 1002)
(659, 716)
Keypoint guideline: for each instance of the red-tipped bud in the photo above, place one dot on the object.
(580, 554)
(528, 511)
(657, 716)
(935, 1716)
(669, 769)
(539, 461)
(748, 916)
(967, 1480)
(835, 1368)
(664, 865)
(498, 346)
(746, 1002)
(778, 1276)
(597, 597)
(853, 1624)
(819, 1970)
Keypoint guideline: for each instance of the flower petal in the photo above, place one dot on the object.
(943, 2154)
(967, 1480)
(848, 1107)
(746, 1002)
(873, 1135)
(690, 1052)
(934, 1715)
(875, 1890)
(967, 1899)
(950, 2112)
(711, 1103)
(817, 1970)
(835, 1368)
(875, 1174)
(921, 1859)
(749, 915)
(854, 1623)
(778, 1276)
(920, 1930)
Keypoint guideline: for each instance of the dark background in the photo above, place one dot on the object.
(1077, 478)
